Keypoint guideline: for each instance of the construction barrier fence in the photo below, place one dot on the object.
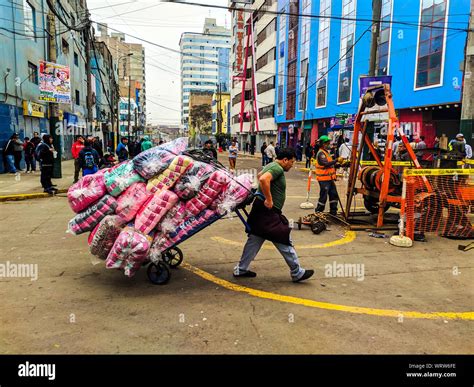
(437, 201)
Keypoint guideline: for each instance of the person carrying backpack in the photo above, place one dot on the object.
(88, 159)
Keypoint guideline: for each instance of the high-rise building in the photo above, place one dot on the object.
(264, 40)
(131, 68)
(204, 63)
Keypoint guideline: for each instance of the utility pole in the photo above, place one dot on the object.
(88, 36)
(53, 106)
(129, 90)
(136, 121)
(376, 14)
(467, 112)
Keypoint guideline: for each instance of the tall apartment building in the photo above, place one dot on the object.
(264, 39)
(204, 63)
(130, 69)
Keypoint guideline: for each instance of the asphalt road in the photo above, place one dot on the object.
(404, 301)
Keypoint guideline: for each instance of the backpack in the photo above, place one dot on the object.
(89, 160)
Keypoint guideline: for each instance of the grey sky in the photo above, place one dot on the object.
(161, 23)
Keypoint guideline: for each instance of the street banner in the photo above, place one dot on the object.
(54, 83)
(366, 82)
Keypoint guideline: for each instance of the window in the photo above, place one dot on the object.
(304, 52)
(384, 39)
(346, 51)
(431, 38)
(265, 58)
(267, 84)
(267, 31)
(323, 53)
(281, 61)
(32, 73)
(266, 112)
(302, 93)
(29, 16)
(78, 97)
(65, 47)
(76, 59)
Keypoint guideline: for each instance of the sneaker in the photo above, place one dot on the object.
(307, 274)
(248, 273)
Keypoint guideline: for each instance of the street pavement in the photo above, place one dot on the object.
(407, 300)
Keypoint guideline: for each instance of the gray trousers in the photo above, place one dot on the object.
(252, 247)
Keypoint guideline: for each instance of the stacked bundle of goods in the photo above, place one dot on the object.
(137, 210)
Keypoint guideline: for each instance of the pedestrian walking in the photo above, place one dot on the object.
(89, 159)
(76, 148)
(9, 153)
(146, 144)
(277, 149)
(270, 153)
(46, 154)
(267, 222)
(122, 149)
(29, 149)
(18, 153)
(299, 152)
(264, 156)
(233, 151)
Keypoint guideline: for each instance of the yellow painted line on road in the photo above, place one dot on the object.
(326, 305)
(348, 237)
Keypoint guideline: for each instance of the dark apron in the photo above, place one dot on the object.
(269, 224)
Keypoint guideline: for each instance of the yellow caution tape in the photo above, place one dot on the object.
(466, 161)
(437, 172)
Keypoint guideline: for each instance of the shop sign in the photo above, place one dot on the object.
(33, 109)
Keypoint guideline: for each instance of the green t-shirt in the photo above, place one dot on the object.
(277, 185)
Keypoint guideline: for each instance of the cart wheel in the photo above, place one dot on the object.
(300, 221)
(317, 227)
(158, 273)
(173, 257)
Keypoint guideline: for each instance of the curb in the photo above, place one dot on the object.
(37, 195)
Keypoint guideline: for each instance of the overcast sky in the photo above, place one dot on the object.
(161, 23)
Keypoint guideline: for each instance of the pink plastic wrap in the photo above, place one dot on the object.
(208, 193)
(191, 181)
(88, 219)
(119, 179)
(152, 162)
(132, 200)
(173, 218)
(170, 175)
(154, 210)
(86, 191)
(129, 251)
(103, 237)
(176, 146)
(235, 193)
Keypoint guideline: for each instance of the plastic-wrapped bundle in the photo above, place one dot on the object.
(170, 175)
(119, 179)
(103, 237)
(191, 181)
(154, 210)
(132, 200)
(88, 219)
(176, 146)
(235, 193)
(173, 218)
(86, 191)
(188, 226)
(152, 162)
(208, 193)
(129, 251)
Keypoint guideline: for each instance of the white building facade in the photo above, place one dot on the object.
(204, 63)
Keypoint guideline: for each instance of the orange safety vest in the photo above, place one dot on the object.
(323, 173)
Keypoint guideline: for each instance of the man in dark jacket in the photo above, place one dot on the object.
(9, 153)
(88, 159)
(46, 154)
(122, 149)
(267, 222)
(209, 149)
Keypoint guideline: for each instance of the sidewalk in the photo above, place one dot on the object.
(26, 184)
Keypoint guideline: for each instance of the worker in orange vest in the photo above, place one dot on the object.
(326, 176)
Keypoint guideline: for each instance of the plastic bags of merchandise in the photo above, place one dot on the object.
(191, 181)
(86, 192)
(130, 201)
(154, 210)
(89, 218)
(103, 237)
(167, 178)
(119, 179)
